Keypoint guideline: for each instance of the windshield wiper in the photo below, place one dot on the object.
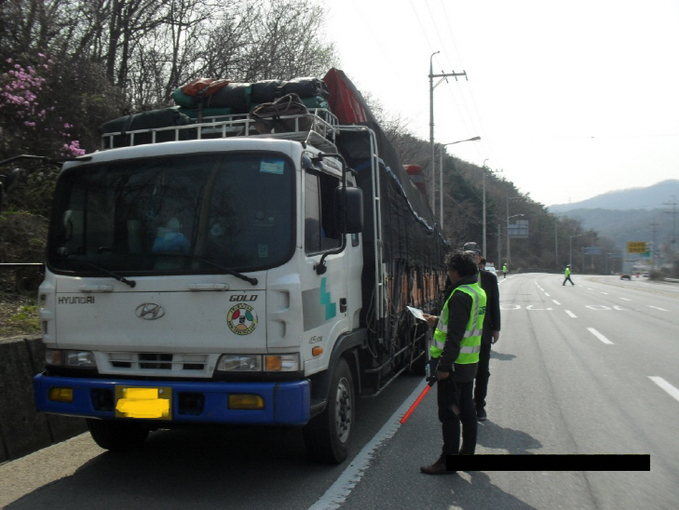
(246, 278)
(131, 283)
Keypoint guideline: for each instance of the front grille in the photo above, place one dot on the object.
(155, 361)
(140, 362)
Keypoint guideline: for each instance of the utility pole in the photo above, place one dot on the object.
(673, 212)
(443, 76)
(653, 245)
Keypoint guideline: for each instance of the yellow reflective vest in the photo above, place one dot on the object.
(470, 346)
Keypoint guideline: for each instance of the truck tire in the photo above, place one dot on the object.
(327, 435)
(117, 436)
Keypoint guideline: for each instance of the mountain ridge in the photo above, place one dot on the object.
(650, 197)
(636, 214)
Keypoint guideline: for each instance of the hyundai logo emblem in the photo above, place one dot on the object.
(149, 311)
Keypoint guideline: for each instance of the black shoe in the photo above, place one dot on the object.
(481, 414)
(437, 468)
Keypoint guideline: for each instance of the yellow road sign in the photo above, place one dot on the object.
(636, 247)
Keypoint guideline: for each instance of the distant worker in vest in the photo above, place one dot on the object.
(504, 270)
(455, 356)
(491, 334)
(567, 275)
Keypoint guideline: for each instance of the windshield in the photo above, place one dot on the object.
(175, 214)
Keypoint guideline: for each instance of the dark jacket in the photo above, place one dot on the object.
(459, 309)
(492, 321)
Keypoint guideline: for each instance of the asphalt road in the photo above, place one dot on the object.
(585, 369)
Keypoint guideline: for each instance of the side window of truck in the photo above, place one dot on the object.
(320, 231)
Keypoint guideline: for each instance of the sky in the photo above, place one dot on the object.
(570, 99)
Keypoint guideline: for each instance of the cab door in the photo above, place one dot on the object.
(325, 298)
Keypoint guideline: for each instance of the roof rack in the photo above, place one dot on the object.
(318, 128)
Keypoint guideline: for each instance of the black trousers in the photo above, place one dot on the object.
(568, 279)
(457, 397)
(482, 376)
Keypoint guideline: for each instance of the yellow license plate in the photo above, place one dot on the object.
(143, 403)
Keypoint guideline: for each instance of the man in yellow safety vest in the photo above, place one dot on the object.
(455, 355)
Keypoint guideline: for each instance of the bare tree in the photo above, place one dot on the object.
(269, 40)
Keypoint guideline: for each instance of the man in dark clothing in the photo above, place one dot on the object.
(455, 353)
(491, 334)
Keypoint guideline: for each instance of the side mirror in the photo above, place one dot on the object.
(352, 198)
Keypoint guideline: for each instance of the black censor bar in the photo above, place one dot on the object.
(547, 462)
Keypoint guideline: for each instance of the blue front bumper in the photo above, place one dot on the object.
(285, 403)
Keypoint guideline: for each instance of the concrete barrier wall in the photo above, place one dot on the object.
(22, 428)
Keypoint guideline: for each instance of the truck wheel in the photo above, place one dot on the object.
(117, 436)
(327, 435)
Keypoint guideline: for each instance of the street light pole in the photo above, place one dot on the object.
(508, 216)
(570, 248)
(483, 245)
(443, 146)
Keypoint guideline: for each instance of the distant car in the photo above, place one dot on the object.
(625, 277)
(490, 267)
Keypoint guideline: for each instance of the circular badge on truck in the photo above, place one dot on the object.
(242, 319)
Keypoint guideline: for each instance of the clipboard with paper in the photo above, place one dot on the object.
(419, 314)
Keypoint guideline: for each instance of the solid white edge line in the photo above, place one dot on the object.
(339, 491)
(671, 390)
(599, 336)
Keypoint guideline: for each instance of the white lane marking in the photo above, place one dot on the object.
(510, 306)
(547, 295)
(625, 299)
(671, 390)
(605, 293)
(571, 314)
(339, 491)
(657, 308)
(556, 302)
(599, 336)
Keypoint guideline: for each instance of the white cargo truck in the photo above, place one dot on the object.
(226, 275)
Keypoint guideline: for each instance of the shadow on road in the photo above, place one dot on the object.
(492, 435)
(501, 356)
(200, 468)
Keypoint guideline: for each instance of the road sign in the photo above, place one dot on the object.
(518, 229)
(636, 247)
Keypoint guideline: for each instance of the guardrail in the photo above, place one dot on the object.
(22, 428)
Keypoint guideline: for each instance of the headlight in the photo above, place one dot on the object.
(257, 363)
(66, 358)
(240, 363)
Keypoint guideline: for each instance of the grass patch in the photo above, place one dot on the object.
(18, 316)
